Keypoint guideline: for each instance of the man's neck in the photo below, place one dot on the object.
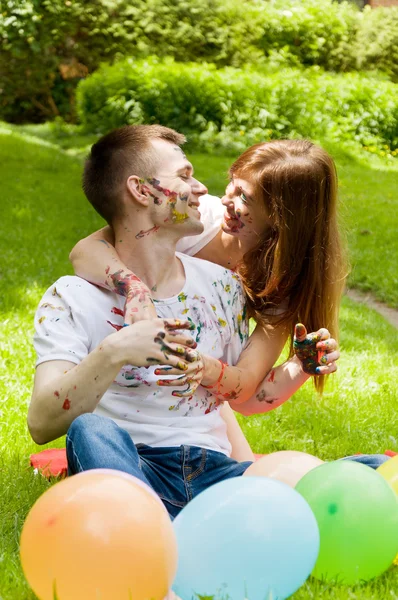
(152, 258)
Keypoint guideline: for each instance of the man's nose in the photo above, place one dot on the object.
(198, 188)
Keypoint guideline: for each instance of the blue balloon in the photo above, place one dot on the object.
(246, 537)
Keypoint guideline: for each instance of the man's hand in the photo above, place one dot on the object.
(317, 351)
(154, 342)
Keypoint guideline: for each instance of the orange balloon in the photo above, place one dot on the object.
(99, 536)
(287, 466)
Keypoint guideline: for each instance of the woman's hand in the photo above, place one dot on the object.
(139, 304)
(155, 342)
(191, 379)
(316, 351)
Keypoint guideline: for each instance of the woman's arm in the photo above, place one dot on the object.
(239, 385)
(241, 450)
(95, 259)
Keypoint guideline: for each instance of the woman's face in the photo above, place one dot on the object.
(245, 217)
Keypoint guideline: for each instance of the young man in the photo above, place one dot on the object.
(102, 383)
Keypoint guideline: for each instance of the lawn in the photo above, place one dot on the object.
(43, 213)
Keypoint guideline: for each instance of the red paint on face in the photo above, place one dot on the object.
(107, 270)
(56, 394)
(66, 404)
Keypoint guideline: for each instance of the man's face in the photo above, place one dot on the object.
(173, 190)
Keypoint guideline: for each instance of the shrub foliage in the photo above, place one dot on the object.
(233, 108)
(48, 46)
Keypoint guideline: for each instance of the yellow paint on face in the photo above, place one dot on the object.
(179, 217)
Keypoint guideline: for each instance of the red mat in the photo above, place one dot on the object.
(52, 462)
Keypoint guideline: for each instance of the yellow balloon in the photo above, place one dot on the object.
(389, 470)
(288, 466)
(99, 535)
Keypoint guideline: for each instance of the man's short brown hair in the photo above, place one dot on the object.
(117, 155)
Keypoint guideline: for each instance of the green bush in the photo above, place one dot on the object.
(376, 45)
(48, 46)
(314, 32)
(232, 108)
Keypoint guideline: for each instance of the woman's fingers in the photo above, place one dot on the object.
(176, 363)
(326, 370)
(191, 369)
(330, 357)
(327, 345)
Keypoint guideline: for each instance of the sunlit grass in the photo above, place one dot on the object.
(42, 214)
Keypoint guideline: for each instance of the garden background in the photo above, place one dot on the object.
(227, 73)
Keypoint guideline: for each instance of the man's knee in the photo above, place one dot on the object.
(89, 424)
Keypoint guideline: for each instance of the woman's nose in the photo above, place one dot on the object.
(227, 201)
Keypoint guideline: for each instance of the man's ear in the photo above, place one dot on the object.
(137, 190)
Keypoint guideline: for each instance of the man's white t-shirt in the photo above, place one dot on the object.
(74, 317)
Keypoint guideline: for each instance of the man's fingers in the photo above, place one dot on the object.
(171, 324)
(175, 337)
(300, 332)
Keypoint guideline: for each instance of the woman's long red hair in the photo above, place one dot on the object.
(301, 264)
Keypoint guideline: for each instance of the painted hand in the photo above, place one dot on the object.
(191, 378)
(156, 342)
(317, 351)
(139, 304)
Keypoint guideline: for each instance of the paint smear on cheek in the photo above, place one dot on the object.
(66, 404)
(179, 217)
(56, 393)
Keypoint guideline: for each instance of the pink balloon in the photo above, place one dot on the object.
(288, 466)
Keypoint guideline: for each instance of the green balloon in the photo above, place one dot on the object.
(357, 514)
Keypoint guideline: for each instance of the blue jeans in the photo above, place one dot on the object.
(371, 460)
(177, 474)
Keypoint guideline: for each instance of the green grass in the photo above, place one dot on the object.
(42, 214)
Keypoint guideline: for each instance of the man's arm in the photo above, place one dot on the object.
(63, 391)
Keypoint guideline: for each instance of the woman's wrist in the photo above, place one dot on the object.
(212, 370)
